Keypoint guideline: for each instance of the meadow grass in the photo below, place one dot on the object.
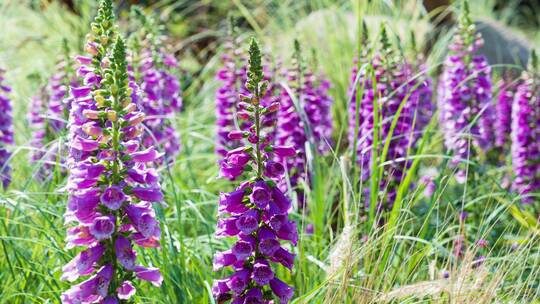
(347, 259)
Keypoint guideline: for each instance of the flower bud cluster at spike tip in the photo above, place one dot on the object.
(464, 93)
(394, 84)
(526, 135)
(48, 116)
(231, 114)
(311, 122)
(110, 187)
(256, 213)
(153, 68)
(6, 131)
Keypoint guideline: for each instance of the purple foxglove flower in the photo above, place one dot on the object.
(307, 122)
(91, 290)
(503, 108)
(110, 300)
(151, 275)
(274, 169)
(142, 218)
(146, 156)
(113, 197)
(248, 221)
(79, 236)
(231, 202)
(125, 253)
(262, 273)
(243, 248)
(220, 291)
(6, 131)
(284, 151)
(102, 227)
(148, 194)
(284, 257)
(257, 211)
(224, 259)
(268, 243)
(260, 195)
(79, 92)
(283, 291)
(464, 93)
(125, 291)
(233, 165)
(254, 295)
(388, 81)
(85, 145)
(525, 137)
(83, 263)
(109, 184)
(161, 92)
(238, 281)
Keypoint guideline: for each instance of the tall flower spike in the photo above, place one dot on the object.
(308, 122)
(423, 85)
(256, 213)
(153, 67)
(6, 131)
(111, 190)
(464, 93)
(503, 111)
(361, 59)
(525, 133)
(49, 114)
(394, 85)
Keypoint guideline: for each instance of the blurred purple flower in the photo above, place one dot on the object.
(6, 131)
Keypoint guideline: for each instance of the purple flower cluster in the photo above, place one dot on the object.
(111, 190)
(310, 123)
(256, 213)
(233, 76)
(465, 95)
(423, 86)
(49, 114)
(526, 134)
(161, 100)
(6, 131)
(396, 90)
(503, 111)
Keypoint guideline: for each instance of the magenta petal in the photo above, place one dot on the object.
(124, 252)
(126, 290)
(113, 197)
(148, 194)
(110, 300)
(283, 291)
(148, 155)
(83, 144)
(262, 273)
(83, 263)
(81, 91)
(102, 228)
(285, 151)
(151, 275)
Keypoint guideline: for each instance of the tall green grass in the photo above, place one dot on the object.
(345, 260)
